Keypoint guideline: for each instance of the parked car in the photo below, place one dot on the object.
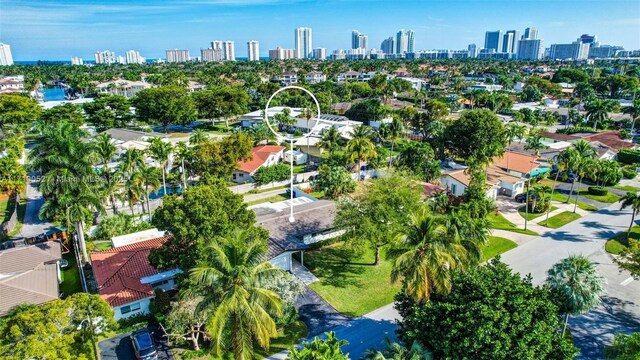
(523, 196)
(143, 345)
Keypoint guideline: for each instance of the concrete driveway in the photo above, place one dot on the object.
(119, 347)
(318, 314)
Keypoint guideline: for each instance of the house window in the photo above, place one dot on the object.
(453, 189)
(159, 283)
(129, 308)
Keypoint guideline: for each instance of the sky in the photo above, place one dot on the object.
(61, 29)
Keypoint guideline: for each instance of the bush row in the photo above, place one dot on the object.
(597, 190)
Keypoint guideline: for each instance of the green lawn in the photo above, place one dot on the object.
(286, 339)
(71, 276)
(256, 191)
(496, 246)
(610, 198)
(497, 221)
(3, 210)
(317, 194)
(349, 281)
(626, 188)
(560, 220)
(298, 169)
(618, 243)
(6, 210)
(276, 198)
(530, 216)
(99, 246)
(563, 198)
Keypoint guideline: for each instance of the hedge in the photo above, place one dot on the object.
(597, 190)
(629, 172)
(627, 156)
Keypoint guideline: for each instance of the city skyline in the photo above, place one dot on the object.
(51, 31)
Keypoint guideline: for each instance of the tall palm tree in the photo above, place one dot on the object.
(104, 148)
(585, 155)
(133, 190)
(395, 129)
(130, 160)
(514, 131)
(198, 137)
(360, 149)
(308, 114)
(634, 112)
(330, 140)
(232, 285)
(632, 200)
(577, 280)
(160, 151)
(150, 177)
(430, 248)
(598, 110)
(111, 186)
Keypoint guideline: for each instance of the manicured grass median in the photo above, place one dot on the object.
(563, 198)
(609, 198)
(276, 198)
(626, 188)
(349, 281)
(618, 243)
(530, 216)
(560, 220)
(497, 221)
(496, 246)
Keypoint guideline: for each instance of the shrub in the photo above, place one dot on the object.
(575, 130)
(597, 190)
(627, 156)
(629, 172)
(267, 174)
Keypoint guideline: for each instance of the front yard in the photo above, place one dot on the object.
(563, 198)
(609, 198)
(530, 216)
(560, 220)
(499, 222)
(496, 246)
(618, 243)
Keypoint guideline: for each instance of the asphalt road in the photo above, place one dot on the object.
(619, 311)
(119, 347)
(32, 225)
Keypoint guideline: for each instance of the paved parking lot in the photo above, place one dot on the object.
(119, 347)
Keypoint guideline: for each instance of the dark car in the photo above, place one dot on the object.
(523, 197)
(143, 346)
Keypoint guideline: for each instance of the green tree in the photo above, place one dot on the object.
(108, 111)
(631, 200)
(231, 284)
(218, 159)
(67, 112)
(221, 102)
(578, 284)
(395, 351)
(161, 151)
(522, 320)
(186, 322)
(334, 181)
(165, 105)
(325, 349)
(330, 140)
(150, 179)
(198, 137)
(478, 134)
(374, 216)
(598, 110)
(204, 211)
(634, 112)
(116, 225)
(625, 347)
(418, 158)
(268, 174)
(360, 148)
(17, 110)
(430, 247)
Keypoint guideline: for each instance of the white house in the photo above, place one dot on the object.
(498, 181)
(126, 280)
(298, 157)
(315, 77)
(263, 155)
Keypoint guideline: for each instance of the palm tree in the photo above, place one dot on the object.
(330, 140)
(104, 148)
(198, 137)
(514, 131)
(577, 281)
(360, 149)
(634, 112)
(232, 285)
(150, 177)
(160, 151)
(598, 110)
(430, 248)
(130, 160)
(111, 186)
(585, 155)
(395, 129)
(308, 114)
(133, 189)
(632, 200)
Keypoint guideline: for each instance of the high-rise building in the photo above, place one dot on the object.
(472, 50)
(209, 55)
(320, 53)
(530, 49)
(77, 61)
(218, 52)
(281, 54)
(175, 56)
(105, 57)
(530, 33)
(510, 42)
(253, 50)
(358, 40)
(133, 57)
(228, 51)
(5, 55)
(404, 41)
(388, 46)
(604, 51)
(303, 42)
(574, 51)
(592, 40)
(493, 40)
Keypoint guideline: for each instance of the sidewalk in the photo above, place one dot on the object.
(509, 209)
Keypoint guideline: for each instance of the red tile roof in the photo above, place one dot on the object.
(611, 139)
(260, 155)
(519, 162)
(118, 271)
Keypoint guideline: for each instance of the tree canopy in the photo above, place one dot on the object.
(478, 134)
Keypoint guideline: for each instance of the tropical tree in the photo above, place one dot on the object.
(308, 114)
(632, 200)
(133, 189)
(585, 155)
(231, 285)
(392, 132)
(330, 140)
(634, 112)
(360, 148)
(325, 349)
(430, 247)
(198, 137)
(150, 178)
(514, 131)
(395, 351)
(578, 284)
(160, 151)
(130, 160)
(598, 110)
(625, 347)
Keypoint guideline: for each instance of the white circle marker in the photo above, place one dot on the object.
(291, 138)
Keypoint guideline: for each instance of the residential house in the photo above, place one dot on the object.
(125, 278)
(263, 155)
(288, 78)
(122, 87)
(457, 180)
(315, 77)
(314, 222)
(12, 85)
(29, 275)
(522, 165)
(254, 117)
